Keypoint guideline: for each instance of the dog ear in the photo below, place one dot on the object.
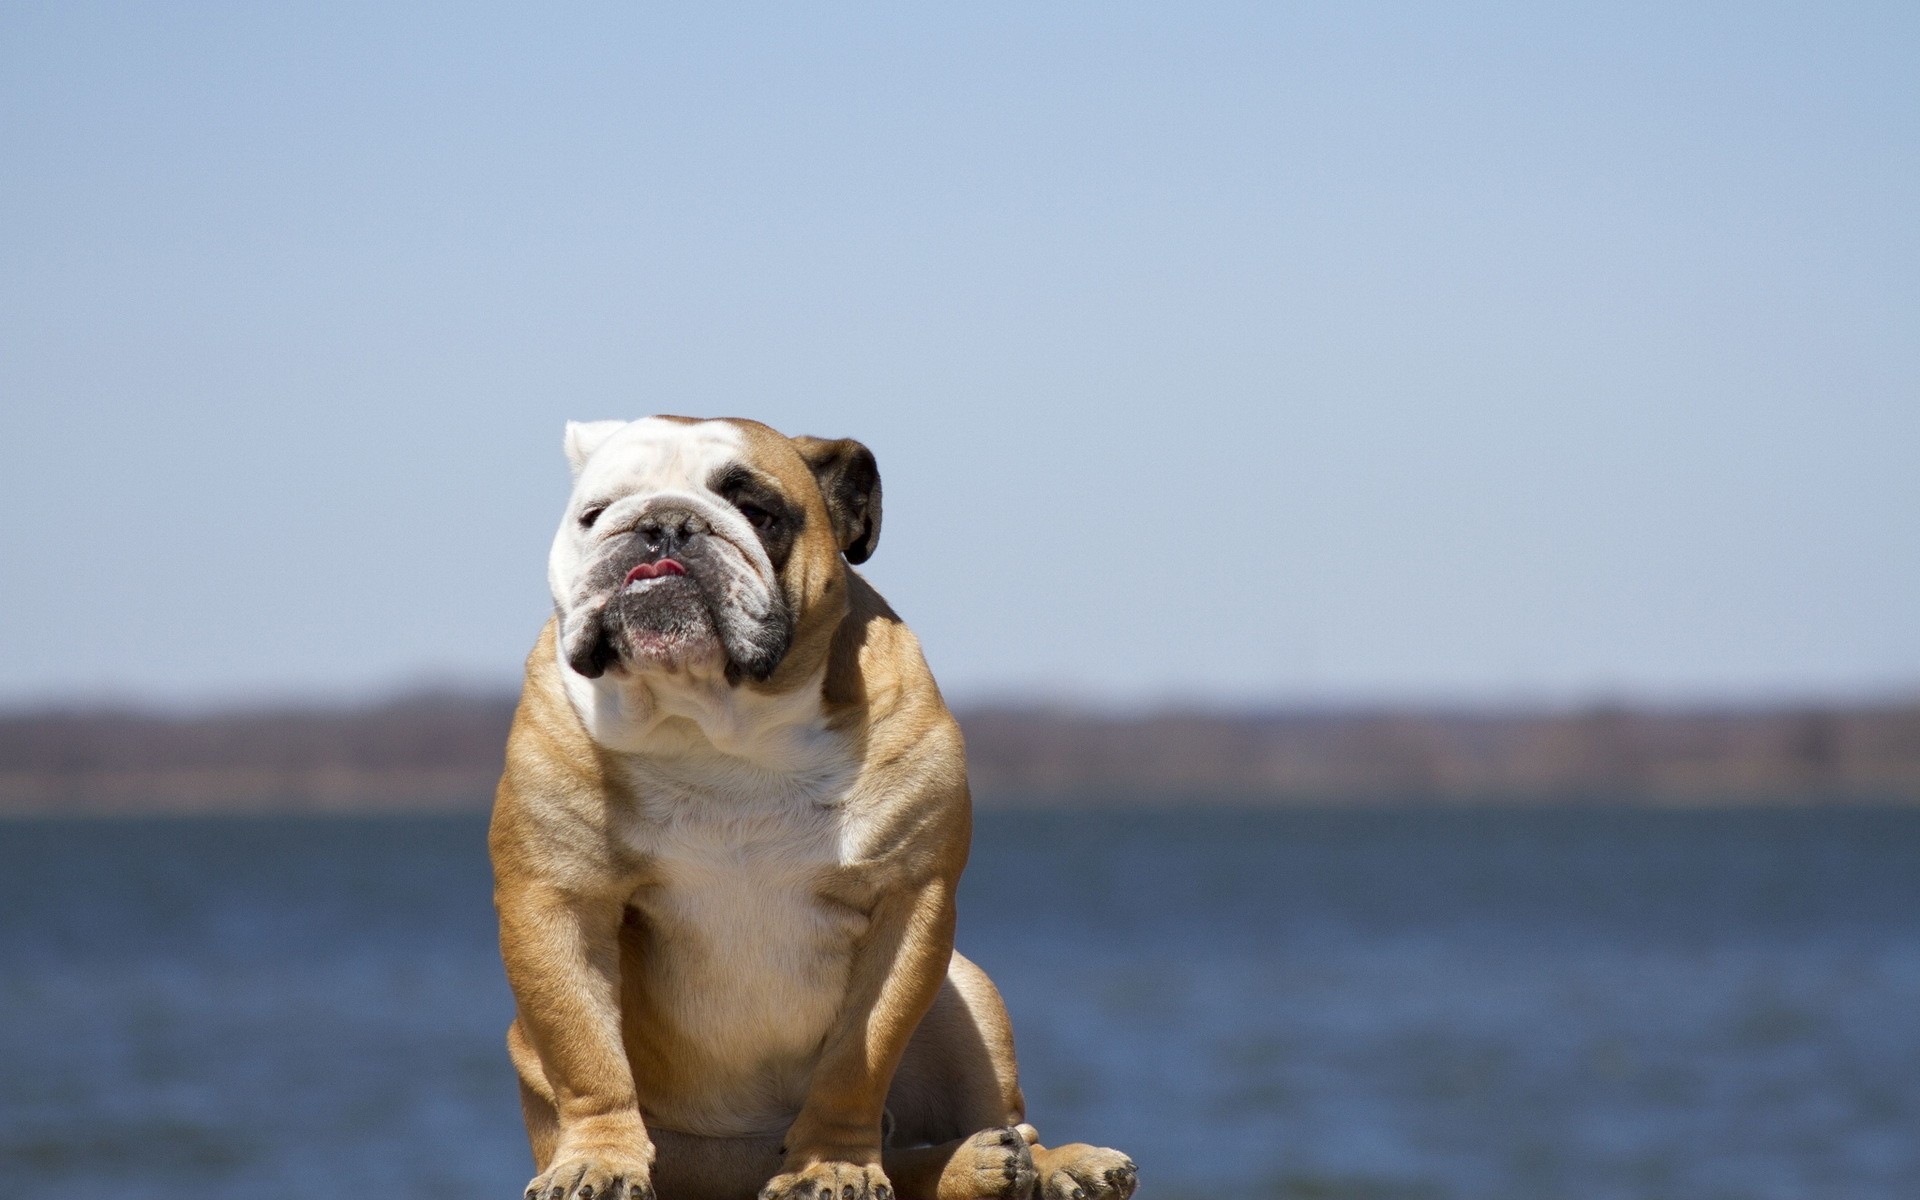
(849, 480)
(584, 437)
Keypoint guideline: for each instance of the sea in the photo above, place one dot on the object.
(1469, 1003)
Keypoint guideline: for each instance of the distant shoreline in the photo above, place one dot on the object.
(443, 754)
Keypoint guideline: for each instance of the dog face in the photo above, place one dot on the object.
(704, 546)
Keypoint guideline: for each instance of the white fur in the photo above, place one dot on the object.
(584, 437)
(749, 966)
(744, 803)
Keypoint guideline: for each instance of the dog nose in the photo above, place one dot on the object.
(665, 532)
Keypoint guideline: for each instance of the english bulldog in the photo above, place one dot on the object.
(725, 848)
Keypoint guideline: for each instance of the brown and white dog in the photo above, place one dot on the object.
(725, 850)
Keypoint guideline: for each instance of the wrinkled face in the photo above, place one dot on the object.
(672, 551)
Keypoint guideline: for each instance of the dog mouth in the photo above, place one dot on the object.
(647, 572)
(658, 617)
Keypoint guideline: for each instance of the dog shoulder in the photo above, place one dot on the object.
(910, 806)
(552, 803)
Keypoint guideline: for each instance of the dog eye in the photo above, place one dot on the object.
(591, 515)
(757, 517)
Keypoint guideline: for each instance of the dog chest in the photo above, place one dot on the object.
(746, 964)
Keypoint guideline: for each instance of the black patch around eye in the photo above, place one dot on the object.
(756, 516)
(775, 521)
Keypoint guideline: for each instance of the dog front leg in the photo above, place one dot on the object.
(563, 962)
(833, 1146)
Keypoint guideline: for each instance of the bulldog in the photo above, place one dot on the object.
(725, 847)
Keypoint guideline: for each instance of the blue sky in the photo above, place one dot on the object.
(1211, 353)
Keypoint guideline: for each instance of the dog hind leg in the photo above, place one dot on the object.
(956, 1099)
(959, 1080)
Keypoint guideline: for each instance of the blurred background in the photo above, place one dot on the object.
(1414, 505)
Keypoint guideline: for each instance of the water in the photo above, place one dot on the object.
(1485, 1004)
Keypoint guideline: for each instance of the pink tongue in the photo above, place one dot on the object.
(654, 570)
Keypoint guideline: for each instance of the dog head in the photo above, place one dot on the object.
(705, 546)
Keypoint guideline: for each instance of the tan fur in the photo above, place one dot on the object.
(660, 1039)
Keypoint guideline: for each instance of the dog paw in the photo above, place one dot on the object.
(829, 1181)
(1081, 1172)
(993, 1164)
(593, 1177)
